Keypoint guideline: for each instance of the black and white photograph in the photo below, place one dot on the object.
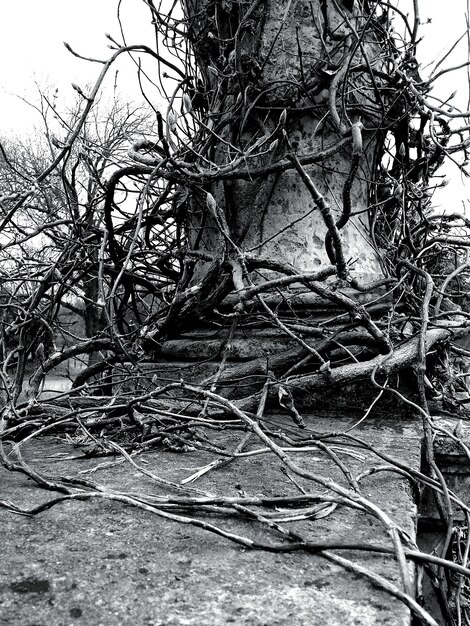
(235, 313)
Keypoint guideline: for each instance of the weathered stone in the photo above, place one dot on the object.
(108, 564)
(453, 459)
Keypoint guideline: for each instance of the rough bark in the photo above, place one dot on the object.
(314, 61)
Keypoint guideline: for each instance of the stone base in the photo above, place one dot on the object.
(104, 563)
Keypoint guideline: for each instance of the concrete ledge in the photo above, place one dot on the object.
(104, 563)
(453, 458)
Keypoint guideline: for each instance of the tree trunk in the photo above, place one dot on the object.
(313, 60)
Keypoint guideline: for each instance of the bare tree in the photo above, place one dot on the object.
(50, 250)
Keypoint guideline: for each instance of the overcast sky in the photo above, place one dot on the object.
(32, 51)
(32, 33)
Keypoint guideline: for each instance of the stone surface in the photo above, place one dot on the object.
(101, 562)
(453, 458)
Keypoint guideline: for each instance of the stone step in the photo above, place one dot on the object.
(107, 563)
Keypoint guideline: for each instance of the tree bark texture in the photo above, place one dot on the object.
(321, 64)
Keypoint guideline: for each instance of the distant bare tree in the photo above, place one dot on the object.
(50, 248)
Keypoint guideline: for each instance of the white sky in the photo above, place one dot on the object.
(32, 33)
(447, 25)
(31, 49)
